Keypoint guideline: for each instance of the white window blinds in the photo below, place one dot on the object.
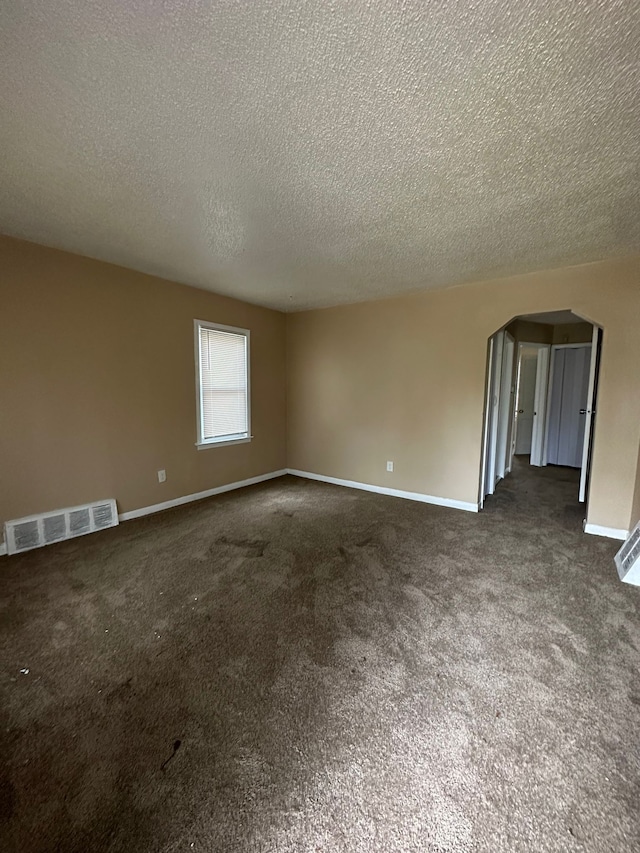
(224, 381)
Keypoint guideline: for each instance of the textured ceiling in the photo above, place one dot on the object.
(298, 154)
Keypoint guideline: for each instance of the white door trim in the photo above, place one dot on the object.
(571, 346)
(521, 344)
(540, 407)
(589, 415)
(494, 407)
(485, 429)
(504, 406)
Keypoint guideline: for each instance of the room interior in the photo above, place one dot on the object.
(381, 610)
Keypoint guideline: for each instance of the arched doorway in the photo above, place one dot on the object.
(541, 391)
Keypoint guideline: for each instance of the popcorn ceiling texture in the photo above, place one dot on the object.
(304, 154)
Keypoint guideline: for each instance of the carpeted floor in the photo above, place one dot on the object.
(303, 667)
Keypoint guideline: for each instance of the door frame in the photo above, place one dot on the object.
(494, 410)
(550, 386)
(486, 422)
(497, 412)
(539, 398)
(592, 403)
(538, 432)
(597, 351)
(505, 406)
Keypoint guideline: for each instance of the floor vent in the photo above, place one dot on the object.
(628, 558)
(23, 534)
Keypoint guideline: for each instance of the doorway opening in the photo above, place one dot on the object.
(541, 392)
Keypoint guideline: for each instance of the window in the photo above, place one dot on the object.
(222, 384)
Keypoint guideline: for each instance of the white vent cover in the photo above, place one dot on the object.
(23, 534)
(628, 558)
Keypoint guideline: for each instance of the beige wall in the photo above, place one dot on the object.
(403, 379)
(532, 333)
(542, 333)
(572, 333)
(635, 510)
(97, 385)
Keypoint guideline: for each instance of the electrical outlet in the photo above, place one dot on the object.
(162, 476)
(389, 466)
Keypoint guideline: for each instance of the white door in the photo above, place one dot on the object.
(525, 405)
(591, 399)
(486, 449)
(568, 405)
(494, 400)
(489, 455)
(498, 413)
(504, 407)
(540, 405)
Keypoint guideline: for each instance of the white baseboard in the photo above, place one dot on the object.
(384, 490)
(609, 532)
(197, 496)
(595, 529)
(185, 499)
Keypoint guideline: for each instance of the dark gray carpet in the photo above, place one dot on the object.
(302, 667)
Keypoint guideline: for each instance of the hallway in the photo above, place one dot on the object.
(532, 496)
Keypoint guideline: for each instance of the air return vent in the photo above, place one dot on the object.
(628, 558)
(23, 534)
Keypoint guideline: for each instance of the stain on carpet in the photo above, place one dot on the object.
(316, 668)
(249, 547)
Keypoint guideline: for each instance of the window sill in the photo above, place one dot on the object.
(205, 445)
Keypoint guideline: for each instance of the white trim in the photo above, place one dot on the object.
(185, 499)
(594, 529)
(537, 456)
(499, 338)
(504, 405)
(547, 409)
(219, 442)
(588, 424)
(484, 461)
(571, 346)
(384, 490)
(609, 532)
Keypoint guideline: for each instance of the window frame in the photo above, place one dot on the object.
(224, 441)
